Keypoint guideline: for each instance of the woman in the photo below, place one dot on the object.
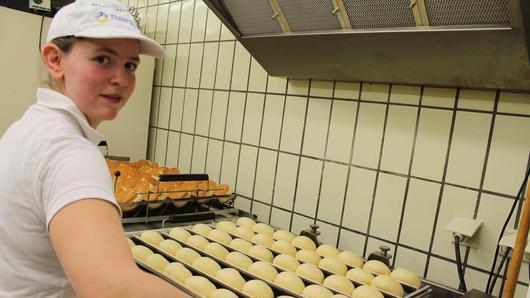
(60, 227)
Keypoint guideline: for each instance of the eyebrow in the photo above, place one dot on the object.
(111, 51)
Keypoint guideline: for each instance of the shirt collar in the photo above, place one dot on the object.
(55, 100)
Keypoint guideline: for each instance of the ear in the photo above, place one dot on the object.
(52, 57)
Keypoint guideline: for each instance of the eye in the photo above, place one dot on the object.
(131, 66)
(104, 60)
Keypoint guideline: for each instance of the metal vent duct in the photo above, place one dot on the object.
(467, 43)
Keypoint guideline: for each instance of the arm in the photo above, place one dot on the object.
(89, 241)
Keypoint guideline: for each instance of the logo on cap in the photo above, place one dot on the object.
(102, 17)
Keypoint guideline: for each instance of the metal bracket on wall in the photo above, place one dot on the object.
(420, 12)
(342, 14)
(279, 16)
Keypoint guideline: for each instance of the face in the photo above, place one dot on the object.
(99, 76)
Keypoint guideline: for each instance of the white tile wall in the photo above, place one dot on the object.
(253, 117)
(387, 206)
(265, 175)
(318, 114)
(293, 124)
(204, 110)
(272, 121)
(286, 180)
(219, 112)
(369, 134)
(246, 170)
(198, 160)
(234, 120)
(308, 186)
(332, 193)
(341, 131)
(399, 139)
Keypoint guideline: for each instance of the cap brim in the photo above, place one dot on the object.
(147, 45)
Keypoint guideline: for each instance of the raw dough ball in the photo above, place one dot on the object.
(206, 265)
(286, 262)
(257, 289)
(178, 272)
(220, 236)
(326, 250)
(200, 285)
(246, 222)
(238, 259)
(231, 277)
(304, 242)
(387, 284)
(263, 229)
(339, 296)
(316, 291)
(130, 242)
(187, 255)
(307, 256)
(170, 246)
(311, 272)
(223, 293)
(240, 244)
(180, 234)
(261, 252)
(201, 229)
(290, 281)
(284, 247)
(361, 276)
(283, 235)
(152, 237)
(263, 239)
(339, 283)
(263, 270)
(156, 261)
(366, 292)
(141, 252)
(333, 264)
(226, 226)
(377, 267)
(197, 241)
(351, 258)
(244, 232)
(215, 249)
(406, 276)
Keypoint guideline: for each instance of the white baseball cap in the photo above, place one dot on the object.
(100, 19)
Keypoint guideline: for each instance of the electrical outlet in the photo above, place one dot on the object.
(467, 229)
(43, 5)
(508, 240)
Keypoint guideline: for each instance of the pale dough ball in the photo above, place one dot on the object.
(326, 250)
(264, 270)
(201, 229)
(339, 283)
(215, 249)
(141, 252)
(261, 252)
(206, 265)
(231, 277)
(197, 241)
(406, 276)
(284, 247)
(310, 272)
(238, 259)
(283, 235)
(387, 284)
(257, 289)
(152, 237)
(244, 232)
(263, 239)
(262, 228)
(170, 246)
(308, 256)
(156, 261)
(339, 296)
(178, 272)
(290, 281)
(316, 291)
(226, 226)
(240, 244)
(333, 264)
(351, 258)
(377, 267)
(304, 242)
(179, 234)
(223, 293)
(359, 275)
(286, 262)
(366, 292)
(130, 242)
(220, 236)
(187, 255)
(246, 222)
(200, 285)
(285, 296)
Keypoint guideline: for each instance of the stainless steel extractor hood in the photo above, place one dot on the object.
(466, 43)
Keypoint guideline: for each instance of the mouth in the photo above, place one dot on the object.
(112, 97)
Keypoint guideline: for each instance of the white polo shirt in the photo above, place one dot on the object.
(48, 159)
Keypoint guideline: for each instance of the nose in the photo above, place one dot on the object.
(121, 77)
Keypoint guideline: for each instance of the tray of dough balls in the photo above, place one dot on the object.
(343, 272)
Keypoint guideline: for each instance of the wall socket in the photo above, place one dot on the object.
(508, 240)
(43, 5)
(468, 229)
